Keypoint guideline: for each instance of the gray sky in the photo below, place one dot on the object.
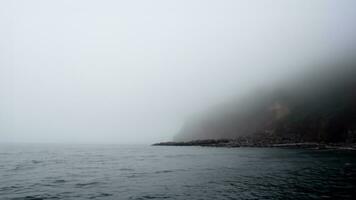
(133, 71)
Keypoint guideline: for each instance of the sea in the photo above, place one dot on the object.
(56, 171)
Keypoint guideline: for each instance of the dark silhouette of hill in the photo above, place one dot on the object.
(318, 106)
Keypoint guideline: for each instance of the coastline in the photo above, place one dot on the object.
(231, 143)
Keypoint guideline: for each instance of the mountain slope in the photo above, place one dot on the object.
(319, 107)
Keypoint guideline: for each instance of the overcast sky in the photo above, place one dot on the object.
(132, 71)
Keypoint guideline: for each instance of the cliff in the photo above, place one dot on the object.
(319, 106)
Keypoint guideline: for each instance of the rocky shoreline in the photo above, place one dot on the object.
(233, 143)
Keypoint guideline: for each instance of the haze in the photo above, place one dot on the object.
(132, 71)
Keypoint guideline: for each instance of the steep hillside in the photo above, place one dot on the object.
(319, 106)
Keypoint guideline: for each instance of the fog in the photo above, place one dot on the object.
(133, 71)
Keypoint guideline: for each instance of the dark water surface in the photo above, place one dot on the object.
(145, 172)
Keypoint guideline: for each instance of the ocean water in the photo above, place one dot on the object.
(147, 172)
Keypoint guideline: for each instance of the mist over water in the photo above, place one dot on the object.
(134, 72)
(86, 85)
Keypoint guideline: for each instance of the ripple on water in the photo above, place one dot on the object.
(150, 197)
(37, 197)
(100, 195)
(59, 181)
(9, 188)
(88, 184)
(163, 171)
(126, 169)
(36, 161)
